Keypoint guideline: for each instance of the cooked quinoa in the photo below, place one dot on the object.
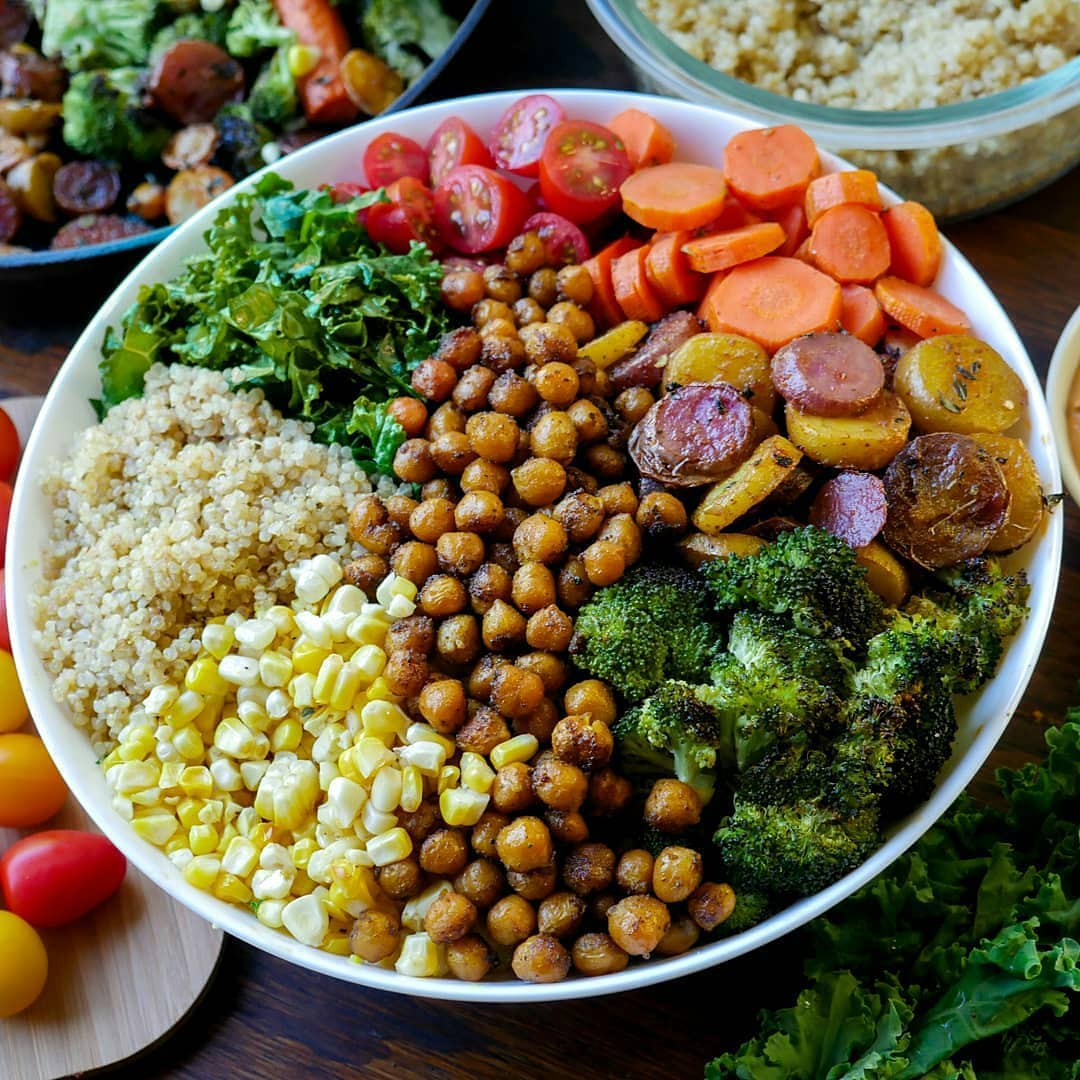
(875, 54)
(182, 505)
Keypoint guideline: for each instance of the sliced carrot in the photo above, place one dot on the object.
(915, 242)
(723, 250)
(802, 252)
(603, 307)
(675, 196)
(633, 293)
(850, 243)
(668, 270)
(770, 167)
(733, 216)
(792, 219)
(834, 189)
(771, 301)
(861, 314)
(317, 23)
(647, 141)
(921, 310)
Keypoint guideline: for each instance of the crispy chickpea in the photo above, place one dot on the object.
(605, 562)
(485, 833)
(482, 881)
(502, 353)
(572, 584)
(512, 790)
(497, 328)
(543, 286)
(366, 573)
(415, 561)
(442, 705)
(503, 628)
(493, 436)
(539, 481)
(442, 595)
(478, 512)
(444, 852)
(539, 723)
(460, 553)
(660, 515)
(421, 822)
(711, 904)
(460, 348)
(401, 880)
(414, 634)
(525, 253)
(602, 387)
(560, 914)
(524, 844)
(481, 475)
(513, 517)
(410, 413)
(618, 499)
(540, 538)
(482, 674)
(559, 785)
(637, 924)
(600, 905)
(482, 732)
(547, 341)
(592, 698)
(677, 873)
(405, 673)
(472, 388)
(550, 668)
(550, 629)
(589, 868)
(434, 379)
(603, 461)
(510, 921)
(534, 884)
(462, 289)
(608, 793)
(447, 417)
(554, 436)
(368, 512)
(502, 283)
(633, 403)
(681, 936)
(469, 958)
(567, 826)
(575, 284)
(457, 641)
(375, 935)
(399, 509)
(502, 553)
(487, 309)
(634, 872)
(516, 692)
(431, 519)
(490, 583)
(590, 422)
(451, 916)
(623, 530)
(556, 383)
(512, 394)
(452, 452)
(527, 311)
(442, 487)
(582, 741)
(672, 806)
(577, 321)
(581, 515)
(597, 954)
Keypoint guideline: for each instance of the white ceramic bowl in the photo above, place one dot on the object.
(701, 133)
(1059, 380)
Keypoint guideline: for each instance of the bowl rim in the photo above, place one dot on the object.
(85, 784)
(865, 129)
(1064, 364)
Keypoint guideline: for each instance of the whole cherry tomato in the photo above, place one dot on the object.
(476, 209)
(520, 133)
(5, 514)
(31, 790)
(9, 447)
(408, 216)
(563, 241)
(5, 636)
(581, 169)
(24, 967)
(454, 143)
(13, 710)
(390, 156)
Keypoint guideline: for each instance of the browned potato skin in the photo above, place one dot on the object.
(868, 441)
(726, 358)
(191, 189)
(1027, 507)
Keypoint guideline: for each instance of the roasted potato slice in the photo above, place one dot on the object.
(868, 441)
(885, 573)
(1026, 505)
(724, 358)
(699, 548)
(616, 344)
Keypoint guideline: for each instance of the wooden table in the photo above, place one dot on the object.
(264, 1018)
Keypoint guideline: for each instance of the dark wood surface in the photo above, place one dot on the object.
(264, 1018)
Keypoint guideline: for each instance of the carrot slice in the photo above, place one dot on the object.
(723, 250)
(633, 293)
(850, 243)
(861, 314)
(770, 167)
(914, 241)
(668, 270)
(792, 219)
(733, 216)
(322, 90)
(834, 189)
(771, 301)
(921, 310)
(603, 307)
(647, 141)
(802, 252)
(675, 196)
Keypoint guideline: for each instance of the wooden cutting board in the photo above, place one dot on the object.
(119, 979)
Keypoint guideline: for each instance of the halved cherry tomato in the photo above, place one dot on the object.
(476, 209)
(563, 241)
(55, 877)
(5, 514)
(454, 143)
(344, 190)
(536, 197)
(520, 133)
(31, 790)
(5, 636)
(407, 217)
(581, 169)
(390, 156)
(24, 965)
(9, 447)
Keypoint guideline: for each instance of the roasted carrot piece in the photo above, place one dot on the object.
(733, 216)
(834, 189)
(921, 310)
(647, 141)
(322, 91)
(802, 252)
(723, 250)
(668, 270)
(770, 167)
(633, 293)
(603, 307)
(861, 314)
(679, 195)
(850, 243)
(914, 241)
(792, 219)
(772, 300)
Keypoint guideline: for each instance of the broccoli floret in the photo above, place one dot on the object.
(104, 117)
(98, 35)
(240, 139)
(199, 26)
(750, 909)
(253, 26)
(273, 99)
(807, 574)
(407, 34)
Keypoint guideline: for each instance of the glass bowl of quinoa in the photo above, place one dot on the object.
(964, 107)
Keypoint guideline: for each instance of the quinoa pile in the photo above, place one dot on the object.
(182, 505)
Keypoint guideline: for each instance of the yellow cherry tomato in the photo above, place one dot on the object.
(31, 790)
(13, 710)
(23, 965)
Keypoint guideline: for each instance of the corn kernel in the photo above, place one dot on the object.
(160, 699)
(210, 717)
(288, 791)
(150, 797)
(380, 690)
(394, 585)
(202, 871)
(239, 670)
(133, 776)
(256, 634)
(386, 789)
(416, 909)
(203, 678)
(400, 607)
(421, 957)
(252, 772)
(268, 912)
(253, 715)
(412, 788)
(177, 842)
(235, 738)
(189, 743)
(172, 774)
(302, 851)
(157, 828)
(303, 885)
(369, 755)
(123, 806)
(368, 628)
(286, 736)
(202, 839)
(382, 718)
(346, 798)
(354, 886)
(275, 668)
(282, 618)
(337, 945)
(327, 676)
(315, 630)
(188, 812)
(278, 704)
(347, 764)
(217, 639)
(241, 857)
(376, 821)
(137, 745)
(346, 687)
(272, 884)
(180, 857)
(449, 777)
(197, 781)
(347, 598)
(230, 888)
(211, 812)
(226, 775)
(307, 657)
(519, 748)
(476, 773)
(462, 806)
(428, 757)
(389, 847)
(418, 733)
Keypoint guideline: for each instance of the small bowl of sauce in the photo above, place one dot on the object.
(1063, 399)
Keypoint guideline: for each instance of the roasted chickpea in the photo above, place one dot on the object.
(516, 692)
(581, 515)
(368, 512)
(421, 822)
(618, 499)
(608, 793)
(481, 475)
(634, 872)
(472, 388)
(442, 487)
(490, 583)
(452, 452)
(511, 394)
(510, 921)
(534, 884)
(469, 958)
(677, 873)
(556, 383)
(431, 519)
(503, 628)
(637, 924)
(482, 674)
(502, 283)
(482, 881)
(460, 348)
(540, 538)
(582, 741)
(527, 311)
(711, 904)
(560, 914)
(478, 512)
(502, 553)
(600, 905)
(434, 379)
(401, 880)
(442, 705)
(623, 530)
(577, 321)
(485, 833)
(513, 517)
(575, 284)
(605, 562)
(405, 673)
(590, 422)
(366, 573)
(446, 418)
(603, 461)
(597, 954)
(660, 515)
(503, 328)
(451, 916)
(681, 936)
(462, 289)
(460, 553)
(589, 868)
(444, 852)
(415, 634)
(672, 806)
(539, 723)
(572, 583)
(502, 353)
(486, 310)
(493, 436)
(526, 253)
(441, 596)
(550, 668)
(592, 698)
(559, 785)
(633, 403)
(524, 844)
(567, 826)
(554, 436)
(543, 286)
(410, 413)
(512, 790)
(539, 481)
(550, 629)
(375, 935)
(481, 733)
(547, 342)
(457, 641)
(415, 561)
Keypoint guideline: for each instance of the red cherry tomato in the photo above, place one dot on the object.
(5, 513)
(476, 209)
(344, 190)
(408, 216)
(454, 143)
(581, 169)
(5, 636)
(55, 877)
(535, 197)
(31, 789)
(519, 136)
(563, 241)
(9, 447)
(390, 156)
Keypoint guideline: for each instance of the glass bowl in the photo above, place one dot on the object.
(960, 160)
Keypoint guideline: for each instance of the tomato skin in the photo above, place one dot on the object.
(581, 170)
(454, 143)
(476, 209)
(390, 156)
(13, 710)
(55, 877)
(563, 241)
(5, 635)
(5, 514)
(31, 789)
(344, 190)
(518, 138)
(408, 216)
(9, 447)
(24, 965)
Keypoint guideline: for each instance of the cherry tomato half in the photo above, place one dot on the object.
(13, 710)
(31, 790)
(476, 209)
(519, 136)
(563, 241)
(344, 190)
(454, 143)
(581, 169)
(5, 635)
(5, 514)
(24, 965)
(9, 447)
(408, 216)
(390, 156)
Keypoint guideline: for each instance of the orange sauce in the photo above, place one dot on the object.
(1072, 415)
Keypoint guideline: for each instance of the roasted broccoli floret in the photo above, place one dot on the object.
(97, 35)
(807, 574)
(750, 909)
(253, 26)
(104, 116)
(240, 139)
(273, 98)
(198, 26)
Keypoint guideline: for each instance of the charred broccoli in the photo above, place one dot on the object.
(104, 116)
